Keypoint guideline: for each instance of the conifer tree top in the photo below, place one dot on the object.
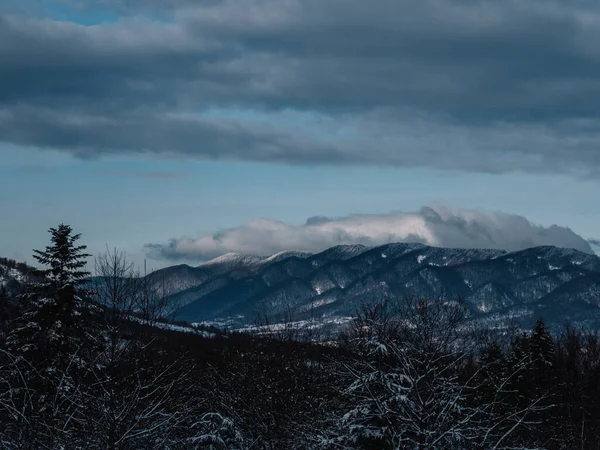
(64, 259)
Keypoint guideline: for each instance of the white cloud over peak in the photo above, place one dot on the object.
(438, 225)
(595, 244)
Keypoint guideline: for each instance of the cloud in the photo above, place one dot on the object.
(595, 245)
(438, 225)
(153, 174)
(469, 85)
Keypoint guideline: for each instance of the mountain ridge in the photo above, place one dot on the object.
(331, 285)
(335, 282)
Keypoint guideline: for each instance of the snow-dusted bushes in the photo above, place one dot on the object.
(414, 384)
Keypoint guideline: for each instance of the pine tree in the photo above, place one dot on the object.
(542, 348)
(52, 346)
(534, 353)
(64, 259)
(54, 304)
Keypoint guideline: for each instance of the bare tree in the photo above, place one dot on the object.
(44, 409)
(144, 399)
(116, 287)
(16, 403)
(153, 302)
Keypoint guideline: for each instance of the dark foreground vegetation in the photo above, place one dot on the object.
(85, 365)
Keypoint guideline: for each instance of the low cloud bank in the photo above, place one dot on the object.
(441, 226)
(595, 244)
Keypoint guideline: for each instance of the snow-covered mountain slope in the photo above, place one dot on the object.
(231, 261)
(336, 282)
(186, 283)
(13, 275)
(556, 283)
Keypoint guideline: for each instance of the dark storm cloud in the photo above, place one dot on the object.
(474, 85)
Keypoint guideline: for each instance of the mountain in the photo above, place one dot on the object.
(236, 289)
(13, 275)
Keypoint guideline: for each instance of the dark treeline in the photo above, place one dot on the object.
(13, 264)
(91, 365)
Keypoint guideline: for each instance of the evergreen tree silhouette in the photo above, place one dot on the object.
(53, 300)
(542, 349)
(64, 260)
(51, 341)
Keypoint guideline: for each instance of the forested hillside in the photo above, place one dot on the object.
(234, 289)
(90, 361)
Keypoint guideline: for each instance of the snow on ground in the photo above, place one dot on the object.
(193, 328)
(317, 303)
(299, 325)
(223, 323)
(11, 274)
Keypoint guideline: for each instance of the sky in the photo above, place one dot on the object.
(180, 130)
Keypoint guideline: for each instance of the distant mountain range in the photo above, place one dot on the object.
(235, 289)
(558, 284)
